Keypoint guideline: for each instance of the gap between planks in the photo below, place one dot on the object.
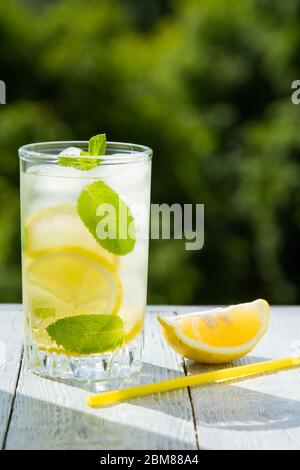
(159, 422)
(184, 367)
(11, 347)
(13, 401)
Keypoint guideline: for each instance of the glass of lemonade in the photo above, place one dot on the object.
(85, 232)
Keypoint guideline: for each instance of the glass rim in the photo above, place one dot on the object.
(124, 152)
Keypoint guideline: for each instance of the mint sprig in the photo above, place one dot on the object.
(97, 146)
(88, 334)
(82, 164)
(102, 210)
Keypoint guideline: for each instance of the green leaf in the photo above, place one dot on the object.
(83, 153)
(97, 146)
(88, 334)
(107, 217)
(83, 164)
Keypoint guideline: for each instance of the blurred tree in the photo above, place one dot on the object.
(147, 12)
(207, 85)
(20, 122)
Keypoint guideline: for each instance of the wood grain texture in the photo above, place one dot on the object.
(10, 357)
(53, 415)
(257, 413)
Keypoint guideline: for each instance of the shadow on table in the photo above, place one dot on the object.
(146, 376)
(236, 408)
(233, 407)
(224, 405)
(38, 424)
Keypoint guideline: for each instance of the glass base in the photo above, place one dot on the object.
(115, 365)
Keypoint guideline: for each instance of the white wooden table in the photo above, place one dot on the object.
(257, 413)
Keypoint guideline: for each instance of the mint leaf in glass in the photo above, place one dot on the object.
(97, 146)
(107, 217)
(88, 334)
(82, 164)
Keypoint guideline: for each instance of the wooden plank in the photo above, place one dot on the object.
(258, 413)
(52, 415)
(10, 359)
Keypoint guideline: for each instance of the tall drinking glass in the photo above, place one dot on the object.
(85, 231)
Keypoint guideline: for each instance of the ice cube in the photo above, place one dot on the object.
(72, 151)
(50, 184)
(125, 179)
(50, 170)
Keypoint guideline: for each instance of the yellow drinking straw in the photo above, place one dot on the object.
(108, 398)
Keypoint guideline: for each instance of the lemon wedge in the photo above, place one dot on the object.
(60, 225)
(219, 335)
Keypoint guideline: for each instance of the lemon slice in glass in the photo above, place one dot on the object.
(68, 281)
(60, 225)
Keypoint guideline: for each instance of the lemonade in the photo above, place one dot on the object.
(85, 225)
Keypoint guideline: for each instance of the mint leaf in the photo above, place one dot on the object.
(87, 334)
(107, 217)
(83, 164)
(97, 146)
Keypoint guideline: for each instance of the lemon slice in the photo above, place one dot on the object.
(219, 335)
(133, 323)
(67, 281)
(60, 225)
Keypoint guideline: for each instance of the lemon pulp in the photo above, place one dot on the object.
(67, 273)
(220, 335)
(60, 225)
(73, 281)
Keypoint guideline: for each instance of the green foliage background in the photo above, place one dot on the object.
(206, 84)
